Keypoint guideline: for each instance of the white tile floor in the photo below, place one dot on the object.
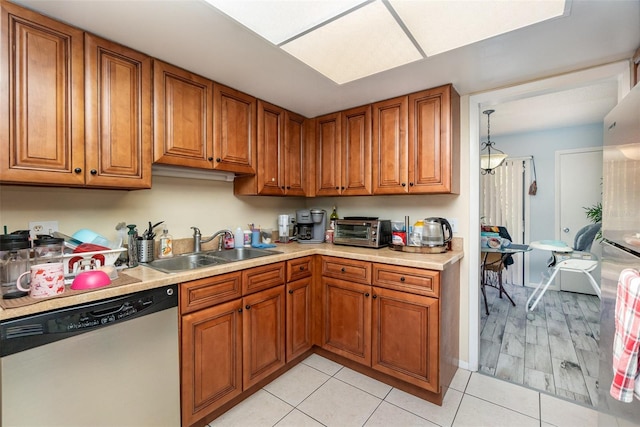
(319, 392)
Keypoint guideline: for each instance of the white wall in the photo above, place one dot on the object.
(542, 145)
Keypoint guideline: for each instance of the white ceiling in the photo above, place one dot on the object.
(196, 36)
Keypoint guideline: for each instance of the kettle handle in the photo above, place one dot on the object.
(446, 225)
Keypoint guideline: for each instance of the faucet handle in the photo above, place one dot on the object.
(196, 231)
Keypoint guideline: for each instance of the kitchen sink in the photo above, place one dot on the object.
(197, 260)
(185, 262)
(241, 254)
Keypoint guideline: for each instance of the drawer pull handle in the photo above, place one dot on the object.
(402, 279)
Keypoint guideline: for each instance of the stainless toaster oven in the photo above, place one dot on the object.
(368, 233)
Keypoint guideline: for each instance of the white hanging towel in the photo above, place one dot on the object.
(626, 343)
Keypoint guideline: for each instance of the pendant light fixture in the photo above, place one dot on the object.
(490, 157)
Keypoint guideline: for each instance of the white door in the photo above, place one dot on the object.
(578, 185)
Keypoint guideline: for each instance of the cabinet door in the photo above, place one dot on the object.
(294, 166)
(298, 317)
(234, 130)
(263, 335)
(211, 359)
(42, 100)
(433, 146)
(270, 144)
(328, 155)
(356, 151)
(405, 340)
(346, 320)
(183, 117)
(117, 115)
(390, 157)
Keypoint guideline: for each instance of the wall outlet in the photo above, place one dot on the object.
(454, 224)
(42, 227)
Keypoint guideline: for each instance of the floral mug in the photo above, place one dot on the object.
(47, 280)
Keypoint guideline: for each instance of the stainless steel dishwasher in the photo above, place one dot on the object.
(112, 362)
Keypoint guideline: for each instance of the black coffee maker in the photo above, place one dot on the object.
(310, 225)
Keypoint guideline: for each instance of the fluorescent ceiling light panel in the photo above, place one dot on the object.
(279, 20)
(439, 26)
(361, 43)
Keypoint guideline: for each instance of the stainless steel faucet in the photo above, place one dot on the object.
(197, 238)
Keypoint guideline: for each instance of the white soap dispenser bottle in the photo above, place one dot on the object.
(238, 238)
(166, 244)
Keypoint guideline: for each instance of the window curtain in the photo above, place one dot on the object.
(503, 197)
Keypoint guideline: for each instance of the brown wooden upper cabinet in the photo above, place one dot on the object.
(281, 154)
(117, 115)
(42, 93)
(416, 143)
(343, 153)
(49, 76)
(183, 117)
(234, 130)
(201, 124)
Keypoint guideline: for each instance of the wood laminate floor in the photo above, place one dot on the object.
(553, 349)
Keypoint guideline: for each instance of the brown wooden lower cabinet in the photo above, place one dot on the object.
(263, 334)
(396, 324)
(346, 324)
(405, 337)
(298, 324)
(211, 371)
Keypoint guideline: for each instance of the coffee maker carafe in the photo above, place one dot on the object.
(310, 225)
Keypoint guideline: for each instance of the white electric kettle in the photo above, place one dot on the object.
(436, 232)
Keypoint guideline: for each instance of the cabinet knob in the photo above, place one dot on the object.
(366, 294)
(240, 310)
(248, 307)
(302, 268)
(343, 269)
(290, 291)
(283, 187)
(210, 159)
(404, 184)
(218, 159)
(402, 279)
(77, 170)
(288, 187)
(374, 296)
(411, 184)
(342, 188)
(93, 172)
(337, 188)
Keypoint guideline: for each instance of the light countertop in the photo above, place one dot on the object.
(151, 278)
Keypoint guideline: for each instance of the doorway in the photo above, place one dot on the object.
(578, 186)
(617, 71)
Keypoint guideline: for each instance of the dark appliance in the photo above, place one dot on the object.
(368, 233)
(310, 225)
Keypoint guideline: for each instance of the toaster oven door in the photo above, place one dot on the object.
(353, 232)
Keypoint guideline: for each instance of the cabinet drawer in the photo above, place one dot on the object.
(209, 291)
(299, 268)
(347, 269)
(264, 277)
(407, 279)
